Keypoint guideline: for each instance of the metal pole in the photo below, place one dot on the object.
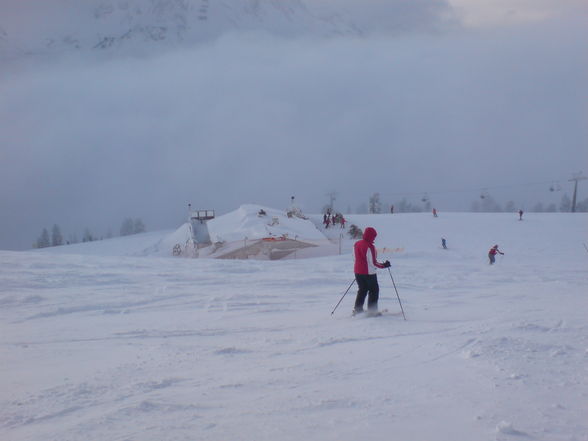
(390, 272)
(576, 178)
(574, 197)
(340, 300)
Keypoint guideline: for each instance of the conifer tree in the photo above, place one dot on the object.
(138, 226)
(127, 227)
(43, 240)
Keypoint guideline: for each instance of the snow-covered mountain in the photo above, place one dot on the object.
(119, 24)
(135, 26)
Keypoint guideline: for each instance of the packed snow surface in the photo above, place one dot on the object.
(97, 345)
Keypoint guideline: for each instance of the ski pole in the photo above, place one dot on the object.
(402, 309)
(340, 300)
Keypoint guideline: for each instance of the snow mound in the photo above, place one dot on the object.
(507, 428)
(247, 223)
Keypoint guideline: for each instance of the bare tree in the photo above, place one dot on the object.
(87, 236)
(582, 206)
(375, 204)
(565, 204)
(406, 207)
(56, 237)
(489, 205)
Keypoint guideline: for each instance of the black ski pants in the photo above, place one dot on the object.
(368, 286)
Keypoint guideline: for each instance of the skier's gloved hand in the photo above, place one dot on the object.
(387, 264)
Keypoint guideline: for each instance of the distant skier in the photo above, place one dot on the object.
(434, 212)
(492, 254)
(443, 243)
(391, 209)
(365, 272)
(520, 214)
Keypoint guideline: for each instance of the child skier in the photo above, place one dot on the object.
(492, 254)
(365, 272)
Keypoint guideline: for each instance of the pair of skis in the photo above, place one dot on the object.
(369, 313)
(380, 312)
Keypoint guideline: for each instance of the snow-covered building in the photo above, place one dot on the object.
(251, 231)
(254, 231)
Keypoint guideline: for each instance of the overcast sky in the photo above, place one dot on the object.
(498, 103)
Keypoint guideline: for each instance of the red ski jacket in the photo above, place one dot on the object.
(494, 250)
(365, 253)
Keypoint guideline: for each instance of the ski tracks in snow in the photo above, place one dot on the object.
(150, 349)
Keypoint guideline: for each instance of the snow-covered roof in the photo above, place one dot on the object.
(245, 222)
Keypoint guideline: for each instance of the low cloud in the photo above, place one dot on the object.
(255, 118)
(392, 16)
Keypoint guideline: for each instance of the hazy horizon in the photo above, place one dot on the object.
(251, 117)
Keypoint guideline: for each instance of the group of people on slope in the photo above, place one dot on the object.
(332, 219)
(365, 269)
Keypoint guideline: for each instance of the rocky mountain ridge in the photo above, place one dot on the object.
(127, 24)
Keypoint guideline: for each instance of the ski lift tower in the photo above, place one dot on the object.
(577, 177)
(198, 219)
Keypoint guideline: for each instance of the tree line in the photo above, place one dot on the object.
(129, 226)
(486, 204)
(564, 206)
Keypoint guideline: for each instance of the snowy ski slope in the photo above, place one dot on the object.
(100, 345)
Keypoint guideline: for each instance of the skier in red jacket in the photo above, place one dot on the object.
(365, 271)
(492, 254)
